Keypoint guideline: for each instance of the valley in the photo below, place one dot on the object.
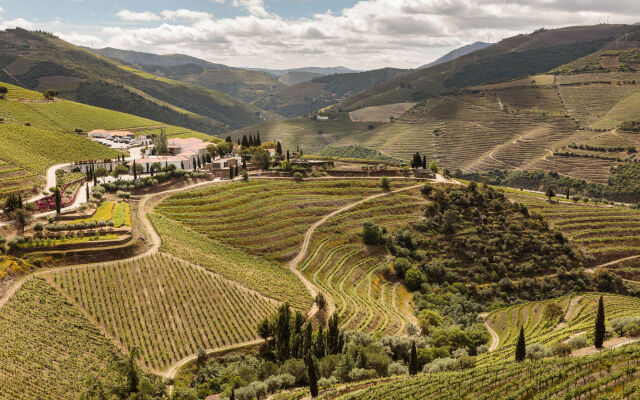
(173, 228)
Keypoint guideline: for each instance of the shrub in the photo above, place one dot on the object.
(400, 266)
(413, 279)
(360, 374)
(537, 351)
(298, 177)
(371, 233)
(426, 189)
(397, 368)
(123, 195)
(441, 365)
(561, 349)
(385, 183)
(326, 382)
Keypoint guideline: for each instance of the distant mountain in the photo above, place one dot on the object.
(514, 57)
(140, 58)
(459, 52)
(295, 77)
(323, 91)
(39, 61)
(314, 70)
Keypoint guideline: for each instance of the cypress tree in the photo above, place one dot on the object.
(521, 346)
(320, 347)
(86, 186)
(361, 360)
(287, 155)
(424, 162)
(278, 148)
(58, 200)
(135, 173)
(313, 376)
(20, 201)
(258, 141)
(283, 332)
(181, 164)
(307, 338)
(252, 141)
(194, 164)
(233, 394)
(598, 337)
(245, 142)
(333, 335)
(413, 360)
(244, 164)
(228, 139)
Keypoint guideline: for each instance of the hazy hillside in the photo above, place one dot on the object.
(166, 60)
(40, 61)
(517, 56)
(313, 70)
(459, 52)
(323, 91)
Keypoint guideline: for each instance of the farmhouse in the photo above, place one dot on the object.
(179, 162)
(322, 118)
(191, 146)
(224, 168)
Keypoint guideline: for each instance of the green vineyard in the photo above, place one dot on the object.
(349, 271)
(577, 320)
(268, 278)
(613, 373)
(607, 233)
(165, 307)
(48, 347)
(264, 217)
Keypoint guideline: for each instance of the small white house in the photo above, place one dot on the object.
(322, 118)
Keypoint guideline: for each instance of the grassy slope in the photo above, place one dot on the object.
(48, 347)
(41, 61)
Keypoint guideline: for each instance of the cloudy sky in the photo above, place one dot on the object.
(363, 34)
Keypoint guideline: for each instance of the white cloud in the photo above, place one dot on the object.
(369, 34)
(146, 16)
(81, 39)
(254, 7)
(1, 9)
(185, 15)
(17, 23)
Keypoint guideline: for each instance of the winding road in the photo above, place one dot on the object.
(146, 204)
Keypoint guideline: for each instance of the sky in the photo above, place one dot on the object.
(279, 34)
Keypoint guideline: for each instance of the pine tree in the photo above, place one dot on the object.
(413, 360)
(313, 376)
(598, 337)
(521, 346)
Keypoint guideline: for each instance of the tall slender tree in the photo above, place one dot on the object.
(320, 346)
(521, 346)
(258, 141)
(283, 332)
(333, 335)
(58, 200)
(278, 148)
(313, 375)
(424, 162)
(135, 172)
(245, 142)
(413, 360)
(600, 330)
(307, 339)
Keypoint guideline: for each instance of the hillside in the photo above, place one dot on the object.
(320, 92)
(459, 52)
(513, 57)
(38, 134)
(40, 61)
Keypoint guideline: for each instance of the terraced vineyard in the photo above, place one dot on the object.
(349, 271)
(264, 217)
(588, 104)
(579, 317)
(48, 347)
(166, 307)
(271, 279)
(561, 378)
(606, 232)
